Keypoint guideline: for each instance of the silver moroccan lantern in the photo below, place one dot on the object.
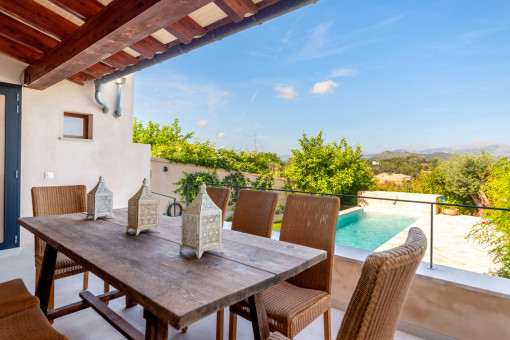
(100, 201)
(201, 224)
(143, 210)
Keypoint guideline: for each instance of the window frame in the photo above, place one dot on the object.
(87, 125)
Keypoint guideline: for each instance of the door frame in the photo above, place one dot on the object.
(12, 156)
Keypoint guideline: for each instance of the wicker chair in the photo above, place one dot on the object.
(293, 304)
(253, 215)
(14, 297)
(255, 212)
(220, 197)
(375, 305)
(20, 314)
(59, 200)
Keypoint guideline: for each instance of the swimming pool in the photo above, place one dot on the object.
(370, 229)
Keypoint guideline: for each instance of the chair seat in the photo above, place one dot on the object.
(289, 308)
(28, 324)
(64, 266)
(15, 297)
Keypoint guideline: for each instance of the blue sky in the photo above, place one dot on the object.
(384, 74)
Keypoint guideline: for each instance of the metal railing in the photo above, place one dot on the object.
(174, 205)
(395, 200)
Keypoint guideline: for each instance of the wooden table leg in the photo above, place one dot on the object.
(155, 329)
(258, 317)
(130, 302)
(43, 288)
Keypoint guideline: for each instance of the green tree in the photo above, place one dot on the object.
(465, 175)
(494, 230)
(154, 135)
(194, 179)
(329, 167)
(171, 143)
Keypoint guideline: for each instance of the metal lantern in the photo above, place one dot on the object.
(143, 210)
(100, 201)
(201, 224)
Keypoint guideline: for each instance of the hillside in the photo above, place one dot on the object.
(393, 154)
(496, 149)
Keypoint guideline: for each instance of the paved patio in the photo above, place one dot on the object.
(87, 324)
(451, 248)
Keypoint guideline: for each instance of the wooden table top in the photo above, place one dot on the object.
(149, 268)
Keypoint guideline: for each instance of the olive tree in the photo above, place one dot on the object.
(465, 175)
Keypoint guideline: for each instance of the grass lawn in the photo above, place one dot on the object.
(277, 225)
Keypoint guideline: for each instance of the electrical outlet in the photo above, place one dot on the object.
(49, 175)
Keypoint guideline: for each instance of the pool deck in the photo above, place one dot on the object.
(451, 248)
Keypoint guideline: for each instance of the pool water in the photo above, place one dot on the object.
(370, 229)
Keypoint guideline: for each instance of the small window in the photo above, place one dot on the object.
(77, 125)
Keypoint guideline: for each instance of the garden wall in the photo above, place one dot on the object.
(394, 203)
(163, 181)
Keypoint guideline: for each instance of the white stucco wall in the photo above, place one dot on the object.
(111, 153)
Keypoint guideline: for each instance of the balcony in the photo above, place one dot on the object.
(87, 324)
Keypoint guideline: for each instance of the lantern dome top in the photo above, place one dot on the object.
(100, 188)
(144, 194)
(202, 203)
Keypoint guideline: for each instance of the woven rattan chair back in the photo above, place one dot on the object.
(220, 197)
(311, 221)
(375, 305)
(255, 212)
(57, 200)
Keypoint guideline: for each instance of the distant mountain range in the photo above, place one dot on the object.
(496, 149)
(392, 154)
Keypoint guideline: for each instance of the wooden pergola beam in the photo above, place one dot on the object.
(186, 29)
(26, 35)
(119, 25)
(83, 9)
(81, 78)
(148, 47)
(121, 60)
(237, 9)
(18, 51)
(39, 17)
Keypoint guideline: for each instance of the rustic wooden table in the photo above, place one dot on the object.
(172, 287)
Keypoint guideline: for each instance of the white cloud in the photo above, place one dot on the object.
(216, 97)
(324, 87)
(222, 134)
(344, 72)
(286, 92)
(202, 122)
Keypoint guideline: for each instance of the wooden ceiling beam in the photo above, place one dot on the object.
(121, 24)
(98, 70)
(25, 35)
(121, 60)
(38, 16)
(186, 29)
(237, 9)
(81, 78)
(148, 47)
(18, 51)
(83, 9)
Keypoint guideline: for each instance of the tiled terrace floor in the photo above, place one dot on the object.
(87, 324)
(451, 248)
